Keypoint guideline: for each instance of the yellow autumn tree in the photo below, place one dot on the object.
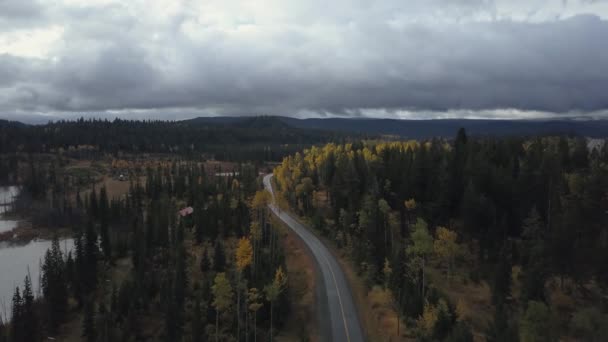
(446, 247)
(273, 290)
(255, 234)
(430, 316)
(410, 204)
(254, 299)
(244, 257)
(222, 298)
(259, 204)
(244, 254)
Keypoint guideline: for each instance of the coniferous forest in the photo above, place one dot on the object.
(143, 269)
(251, 139)
(501, 239)
(462, 239)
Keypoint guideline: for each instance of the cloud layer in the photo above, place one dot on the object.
(421, 58)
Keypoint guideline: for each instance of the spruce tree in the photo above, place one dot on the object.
(88, 323)
(205, 265)
(54, 286)
(197, 323)
(91, 251)
(93, 205)
(104, 218)
(219, 257)
(17, 319)
(31, 328)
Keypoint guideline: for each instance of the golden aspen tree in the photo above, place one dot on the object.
(254, 298)
(421, 247)
(244, 257)
(273, 290)
(446, 247)
(222, 294)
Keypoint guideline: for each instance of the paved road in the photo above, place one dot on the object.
(339, 315)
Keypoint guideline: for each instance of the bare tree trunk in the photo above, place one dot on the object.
(217, 325)
(399, 313)
(271, 321)
(238, 307)
(423, 283)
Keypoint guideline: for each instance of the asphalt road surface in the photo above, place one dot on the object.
(338, 314)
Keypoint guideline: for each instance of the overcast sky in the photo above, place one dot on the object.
(393, 58)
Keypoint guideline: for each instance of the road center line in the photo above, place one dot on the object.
(274, 210)
(339, 297)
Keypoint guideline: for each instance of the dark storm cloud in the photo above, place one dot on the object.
(332, 64)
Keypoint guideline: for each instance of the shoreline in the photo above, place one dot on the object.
(24, 233)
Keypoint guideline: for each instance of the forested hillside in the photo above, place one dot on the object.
(438, 222)
(250, 139)
(144, 269)
(445, 128)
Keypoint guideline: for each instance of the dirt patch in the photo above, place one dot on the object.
(213, 166)
(115, 188)
(302, 325)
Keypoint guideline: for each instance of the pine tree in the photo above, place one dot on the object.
(205, 264)
(91, 252)
(93, 206)
(17, 319)
(54, 286)
(502, 279)
(219, 257)
(104, 212)
(197, 323)
(535, 271)
(103, 324)
(31, 328)
(80, 268)
(244, 257)
(88, 323)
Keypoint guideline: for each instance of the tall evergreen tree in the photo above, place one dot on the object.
(104, 229)
(17, 319)
(54, 287)
(89, 330)
(91, 252)
(219, 257)
(31, 328)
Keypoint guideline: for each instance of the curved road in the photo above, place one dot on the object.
(340, 315)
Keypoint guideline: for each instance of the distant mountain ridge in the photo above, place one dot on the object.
(406, 129)
(421, 129)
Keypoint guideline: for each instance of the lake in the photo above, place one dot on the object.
(7, 194)
(15, 260)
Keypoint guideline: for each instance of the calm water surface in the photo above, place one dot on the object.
(15, 260)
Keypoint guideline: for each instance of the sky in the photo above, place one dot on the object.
(415, 59)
